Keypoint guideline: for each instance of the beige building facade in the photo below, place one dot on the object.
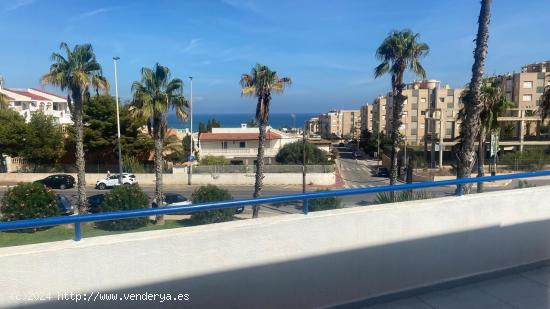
(340, 124)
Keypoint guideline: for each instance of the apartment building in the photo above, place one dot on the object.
(429, 109)
(340, 124)
(379, 114)
(29, 101)
(366, 117)
(313, 128)
(526, 87)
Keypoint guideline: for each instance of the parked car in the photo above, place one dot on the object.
(94, 201)
(176, 199)
(58, 181)
(382, 172)
(111, 181)
(64, 204)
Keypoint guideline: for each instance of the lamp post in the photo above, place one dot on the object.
(191, 153)
(115, 59)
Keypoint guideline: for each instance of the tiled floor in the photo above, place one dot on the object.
(529, 290)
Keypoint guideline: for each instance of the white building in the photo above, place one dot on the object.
(240, 145)
(29, 101)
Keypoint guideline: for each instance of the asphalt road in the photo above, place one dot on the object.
(356, 173)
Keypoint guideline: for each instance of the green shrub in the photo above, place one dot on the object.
(214, 160)
(325, 203)
(132, 165)
(28, 201)
(401, 196)
(292, 153)
(211, 193)
(124, 198)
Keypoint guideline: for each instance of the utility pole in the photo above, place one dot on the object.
(191, 153)
(115, 59)
(304, 159)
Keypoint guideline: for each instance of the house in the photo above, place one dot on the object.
(322, 144)
(240, 145)
(28, 101)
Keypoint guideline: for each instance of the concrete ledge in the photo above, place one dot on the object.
(295, 261)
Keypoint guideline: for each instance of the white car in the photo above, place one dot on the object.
(111, 181)
(173, 199)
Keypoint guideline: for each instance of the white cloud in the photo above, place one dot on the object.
(17, 4)
(194, 43)
(93, 13)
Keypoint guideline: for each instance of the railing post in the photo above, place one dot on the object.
(305, 206)
(77, 232)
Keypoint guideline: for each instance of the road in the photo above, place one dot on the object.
(355, 173)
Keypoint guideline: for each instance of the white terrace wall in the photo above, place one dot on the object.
(293, 261)
(199, 179)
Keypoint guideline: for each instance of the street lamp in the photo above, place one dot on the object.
(191, 157)
(118, 123)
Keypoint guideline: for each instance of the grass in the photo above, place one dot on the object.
(65, 232)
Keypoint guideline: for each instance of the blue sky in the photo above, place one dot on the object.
(326, 47)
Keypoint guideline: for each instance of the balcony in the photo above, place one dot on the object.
(350, 257)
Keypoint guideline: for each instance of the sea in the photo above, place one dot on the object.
(276, 120)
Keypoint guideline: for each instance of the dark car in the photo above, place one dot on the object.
(58, 181)
(382, 172)
(176, 199)
(65, 206)
(94, 202)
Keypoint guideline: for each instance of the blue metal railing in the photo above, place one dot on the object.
(305, 197)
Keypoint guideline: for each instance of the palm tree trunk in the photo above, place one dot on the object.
(80, 162)
(259, 167)
(471, 126)
(481, 158)
(158, 167)
(398, 100)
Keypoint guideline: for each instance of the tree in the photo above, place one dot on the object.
(207, 128)
(100, 131)
(153, 97)
(260, 83)
(494, 104)
(544, 108)
(470, 127)
(77, 72)
(251, 123)
(292, 153)
(398, 52)
(13, 131)
(43, 141)
(3, 102)
(211, 193)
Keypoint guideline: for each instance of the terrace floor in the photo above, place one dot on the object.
(528, 289)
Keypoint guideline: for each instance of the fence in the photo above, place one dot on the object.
(304, 198)
(250, 169)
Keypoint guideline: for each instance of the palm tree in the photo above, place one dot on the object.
(3, 101)
(153, 97)
(77, 72)
(494, 104)
(260, 83)
(400, 51)
(544, 108)
(470, 127)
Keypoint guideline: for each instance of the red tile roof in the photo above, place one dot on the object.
(52, 94)
(28, 94)
(236, 136)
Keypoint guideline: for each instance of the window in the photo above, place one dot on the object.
(414, 106)
(441, 100)
(528, 84)
(422, 100)
(450, 105)
(224, 145)
(526, 98)
(242, 144)
(414, 119)
(413, 131)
